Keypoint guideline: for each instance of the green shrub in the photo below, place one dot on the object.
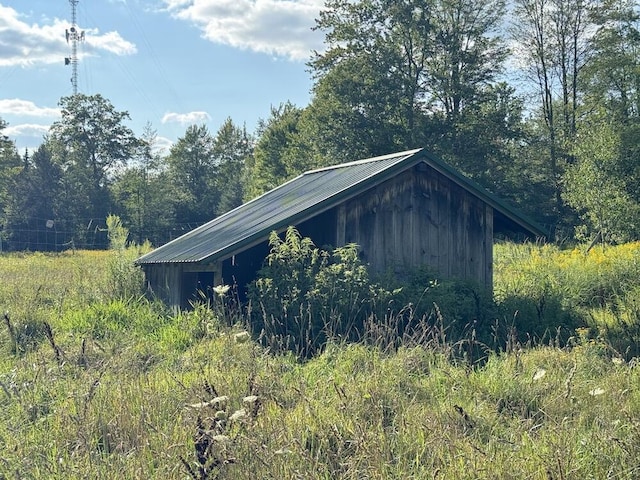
(304, 295)
(423, 295)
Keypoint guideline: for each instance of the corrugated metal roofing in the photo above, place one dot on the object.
(271, 211)
(302, 197)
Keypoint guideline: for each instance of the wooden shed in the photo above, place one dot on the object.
(403, 210)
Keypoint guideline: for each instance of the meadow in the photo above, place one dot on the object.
(543, 383)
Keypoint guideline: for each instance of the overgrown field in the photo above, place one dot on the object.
(541, 383)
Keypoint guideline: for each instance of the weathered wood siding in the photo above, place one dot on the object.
(178, 284)
(420, 218)
(164, 281)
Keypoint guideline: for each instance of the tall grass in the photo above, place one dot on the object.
(593, 288)
(134, 391)
(352, 412)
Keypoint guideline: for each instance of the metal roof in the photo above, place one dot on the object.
(303, 197)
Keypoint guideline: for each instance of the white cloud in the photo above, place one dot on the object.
(15, 106)
(110, 42)
(275, 27)
(23, 44)
(190, 118)
(162, 145)
(26, 130)
(172, 4)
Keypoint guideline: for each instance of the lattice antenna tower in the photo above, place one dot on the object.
(74, 36)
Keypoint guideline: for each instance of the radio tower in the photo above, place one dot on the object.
(74, 36)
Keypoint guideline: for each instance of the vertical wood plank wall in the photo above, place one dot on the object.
(164, 281)
(175, 284)
(421, 218)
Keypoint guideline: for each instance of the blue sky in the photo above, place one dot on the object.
(170, 63)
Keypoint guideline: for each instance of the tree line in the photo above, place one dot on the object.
(537, 100)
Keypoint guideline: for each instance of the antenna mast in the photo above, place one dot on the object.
(74, 36)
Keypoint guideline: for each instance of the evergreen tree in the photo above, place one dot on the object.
(10, 167)
(33, 215)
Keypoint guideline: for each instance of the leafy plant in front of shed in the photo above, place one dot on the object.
(305, 295)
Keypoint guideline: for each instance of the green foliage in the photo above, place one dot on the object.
(124, 278)
(610, 79)
(90, 142)
(233, 147)
(276, 157)
(405, 75)
(10, 167)
(461, 309)
(552, 41)
(142, 193)
(192, 169)
(35, 198)
(595, 187)
(93, 131)
(118, 235)
(304, 295)
(206, 173)
(358, 111)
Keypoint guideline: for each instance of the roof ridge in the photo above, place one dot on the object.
(405, 154)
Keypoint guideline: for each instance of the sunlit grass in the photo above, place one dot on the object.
(581, 276)
(595, 288)
(59, 280)
(130, 382)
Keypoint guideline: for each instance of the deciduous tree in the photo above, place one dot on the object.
(94, 142)
(409, 74)
(595, 187)
(192, 168)
(552, 39)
